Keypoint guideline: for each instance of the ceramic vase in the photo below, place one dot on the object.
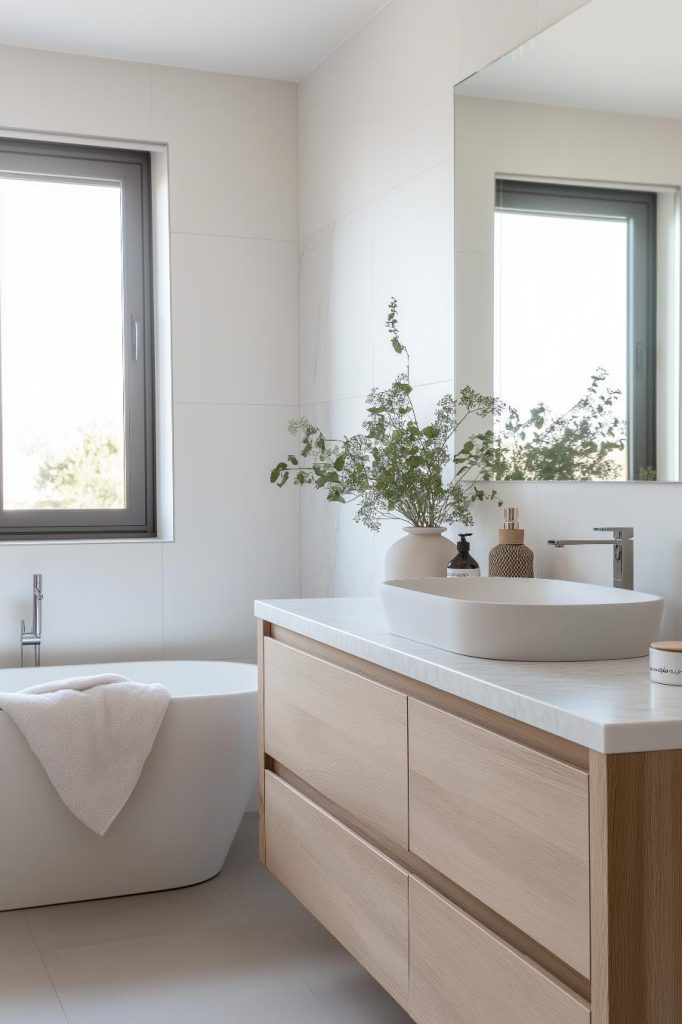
(424, 551)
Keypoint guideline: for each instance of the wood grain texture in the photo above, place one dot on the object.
(359, 895)
(475, 909)
(636, 879)
(553, 746)
(462, 974)
(341, 733)
(263, 631)
(508, 824)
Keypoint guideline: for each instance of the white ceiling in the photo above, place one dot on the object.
(618, 55)
(282, 39)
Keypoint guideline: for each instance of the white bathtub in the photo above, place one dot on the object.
(179, 823)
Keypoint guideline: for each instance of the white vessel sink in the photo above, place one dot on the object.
(523, 620)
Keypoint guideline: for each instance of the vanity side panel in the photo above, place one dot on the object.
(636, 885)
(263, 632)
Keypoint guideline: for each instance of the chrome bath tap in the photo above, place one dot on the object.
(623, 553)
(33, 636)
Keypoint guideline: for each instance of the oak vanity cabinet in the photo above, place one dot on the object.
(483, 871)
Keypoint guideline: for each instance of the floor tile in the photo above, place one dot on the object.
(15, 934)
(352, 996)
(234, 975)
(133, 917)
(235, 950)
(26, 992)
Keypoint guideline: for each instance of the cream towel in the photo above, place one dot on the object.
(92, 735)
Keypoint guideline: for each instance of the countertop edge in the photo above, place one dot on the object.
(468, 687)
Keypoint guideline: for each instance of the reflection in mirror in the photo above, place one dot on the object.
(568, 170)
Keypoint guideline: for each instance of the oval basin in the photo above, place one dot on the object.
(523, 620)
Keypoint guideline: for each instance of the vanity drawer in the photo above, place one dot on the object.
(357, 893)
(460, 973)
(505, 822)
(344, 735)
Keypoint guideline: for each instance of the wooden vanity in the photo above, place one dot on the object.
(483, 870)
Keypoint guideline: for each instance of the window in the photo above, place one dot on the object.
(575, 292)
(76, 346)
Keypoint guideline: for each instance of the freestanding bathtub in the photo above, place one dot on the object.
(181, 818)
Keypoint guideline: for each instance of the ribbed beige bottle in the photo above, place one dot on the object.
(511, 557)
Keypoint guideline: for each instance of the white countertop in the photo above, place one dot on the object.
(608, 706)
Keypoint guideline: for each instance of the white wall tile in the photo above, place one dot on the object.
(336, 105)
(550, 11)
(236, 534)
(573, 509)
(235, 320)
(336, 552)
(102, 601)
(335, 302)
(412, 260)
(418, 64)
(57, 92)
(490, 28)
(232, 150)
(232, 173)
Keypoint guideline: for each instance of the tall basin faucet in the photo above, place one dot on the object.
(32, 637)
(622, 543)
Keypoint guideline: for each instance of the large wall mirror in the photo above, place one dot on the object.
(568, 173)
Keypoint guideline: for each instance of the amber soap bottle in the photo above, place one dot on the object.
(511, 557)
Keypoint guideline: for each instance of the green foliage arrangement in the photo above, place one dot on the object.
(398, 468)
(577, 445)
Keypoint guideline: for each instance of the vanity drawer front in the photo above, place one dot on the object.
(505, 822)
(460, 973)
(357, 893)
(344, 735)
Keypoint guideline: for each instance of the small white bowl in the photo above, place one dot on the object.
(665, 662)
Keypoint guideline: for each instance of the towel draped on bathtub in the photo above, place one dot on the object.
(92, 735)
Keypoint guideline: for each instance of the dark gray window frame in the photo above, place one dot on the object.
(131, 169)
(639, 209)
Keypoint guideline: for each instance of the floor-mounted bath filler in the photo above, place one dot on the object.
(32, 637)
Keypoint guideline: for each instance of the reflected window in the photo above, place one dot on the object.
(575, 301)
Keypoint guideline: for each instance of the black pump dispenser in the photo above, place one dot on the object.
(464, 564)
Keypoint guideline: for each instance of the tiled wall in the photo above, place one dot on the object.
(375, 124)
(375, 220)
(235, 350)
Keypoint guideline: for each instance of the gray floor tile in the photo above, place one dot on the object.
(233, 975)
(26, 992)
(235, 950)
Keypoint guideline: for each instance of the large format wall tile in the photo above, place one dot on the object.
(236, 533)
(489, 28)
(412, 260)
(232, 144)
(336, 552)
(334, 309)
(102, 601)
(57, 92)
(418, 63)
(235, 320)
(336, 106)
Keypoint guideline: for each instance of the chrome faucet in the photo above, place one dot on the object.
(623, 553)
(33, 636)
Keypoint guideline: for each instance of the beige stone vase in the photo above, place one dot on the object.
(424, 551)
